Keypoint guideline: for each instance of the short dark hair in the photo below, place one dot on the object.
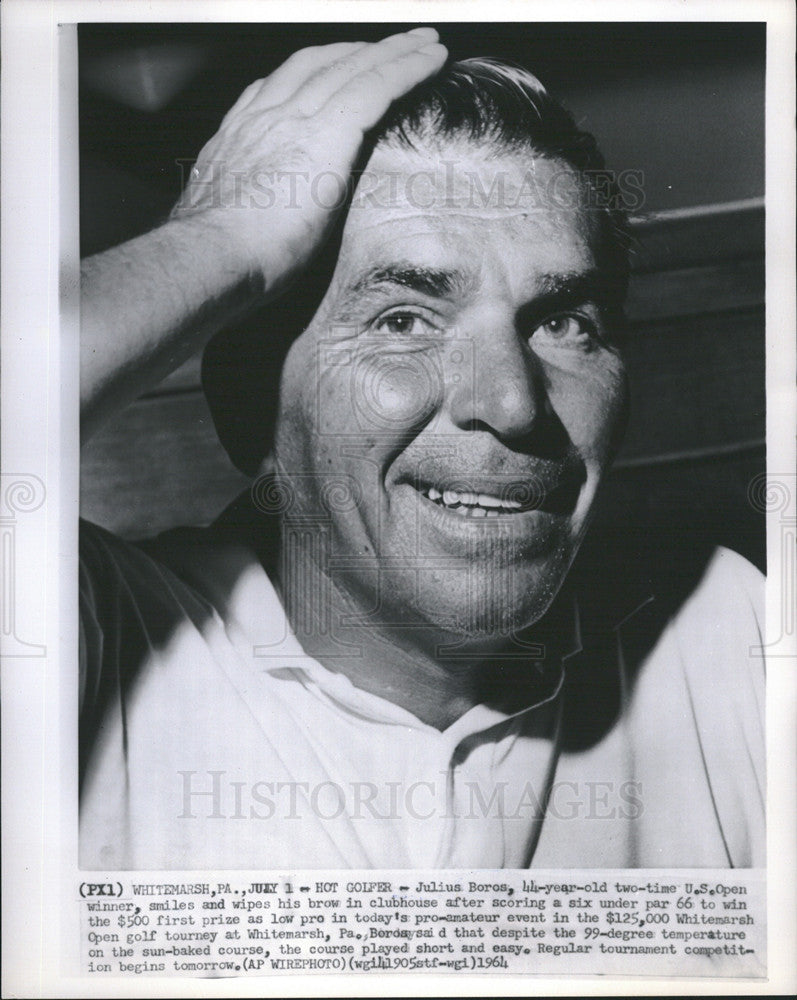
(482, 100)
(504, 106)
(491, 101)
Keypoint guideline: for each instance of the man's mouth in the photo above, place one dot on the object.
(515, 498)
(473, 504)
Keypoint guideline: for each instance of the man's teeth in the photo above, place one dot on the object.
(474, 504)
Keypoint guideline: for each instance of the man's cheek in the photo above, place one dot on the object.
(593, 410)
(379, 393)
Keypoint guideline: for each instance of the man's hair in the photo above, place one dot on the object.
(492, 102)
(484, 101)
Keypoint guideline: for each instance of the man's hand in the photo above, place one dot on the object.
(262, 198)
(276, 171)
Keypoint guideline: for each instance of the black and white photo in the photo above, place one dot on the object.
(408, 271)
(398, 497)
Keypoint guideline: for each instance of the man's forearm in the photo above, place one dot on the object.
(149, 304)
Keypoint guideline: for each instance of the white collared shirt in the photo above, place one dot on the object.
(213, 741)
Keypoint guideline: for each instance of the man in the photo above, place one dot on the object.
(374, 660)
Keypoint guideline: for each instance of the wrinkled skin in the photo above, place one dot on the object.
(438, 357)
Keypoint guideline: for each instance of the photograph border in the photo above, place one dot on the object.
(40, 324)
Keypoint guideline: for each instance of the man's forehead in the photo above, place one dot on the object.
(457, 177)
(446, 204)
(416, 216)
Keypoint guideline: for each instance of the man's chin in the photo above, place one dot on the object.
(490, 617)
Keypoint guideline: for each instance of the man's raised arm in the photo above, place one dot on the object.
(148, 305)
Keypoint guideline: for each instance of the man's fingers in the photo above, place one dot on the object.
(325, 84)
(366, 98)
(280, 85)
(283, 83)
(286, 79)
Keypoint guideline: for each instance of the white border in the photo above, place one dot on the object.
(39, 436)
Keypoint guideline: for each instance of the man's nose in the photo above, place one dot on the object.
(501, 387)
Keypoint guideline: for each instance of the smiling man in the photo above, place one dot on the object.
(476, 409)
(374, 660)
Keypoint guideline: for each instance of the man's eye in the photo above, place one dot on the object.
(404, 324)
(568, 330)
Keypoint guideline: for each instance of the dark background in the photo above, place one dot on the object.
(684, 103)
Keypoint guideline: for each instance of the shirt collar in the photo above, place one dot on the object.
(261, 616)
(256, 621)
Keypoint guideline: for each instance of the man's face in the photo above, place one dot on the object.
(458, 380)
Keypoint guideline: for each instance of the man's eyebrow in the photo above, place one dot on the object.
(433, 281)
(557, 291)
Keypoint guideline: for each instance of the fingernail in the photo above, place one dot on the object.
(424, 32)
